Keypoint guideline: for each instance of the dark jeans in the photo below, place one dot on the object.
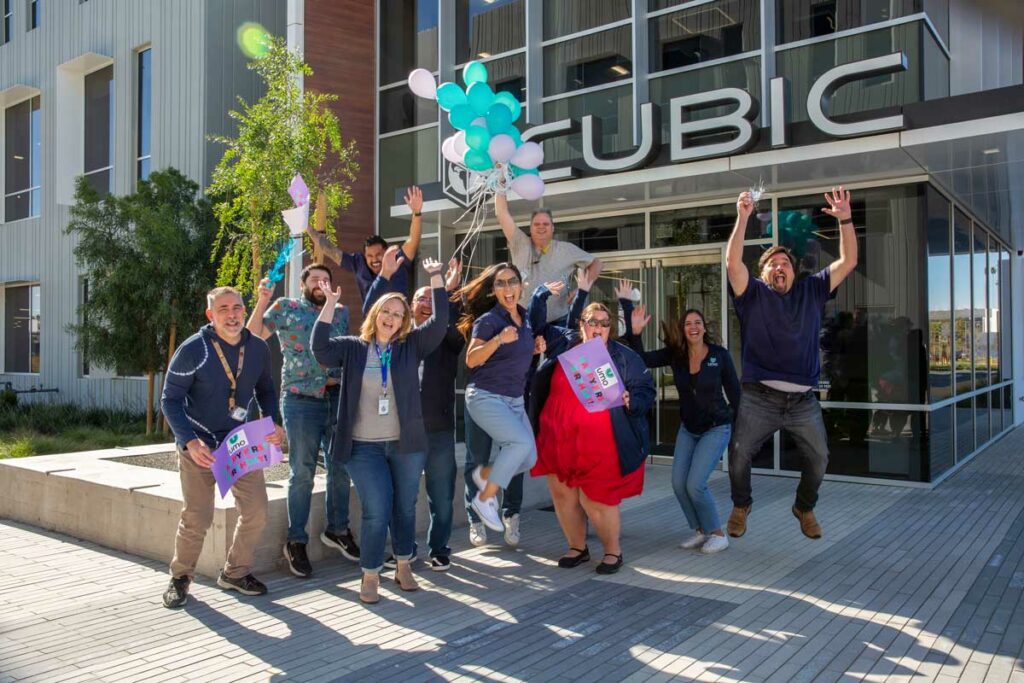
(762, 412)
(440, 482)
(478, 452)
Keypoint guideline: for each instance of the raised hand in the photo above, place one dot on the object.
(508, 335)
(454, 274)
(414, 199)
(539, 345)
(556, 287)
(624, 290)
(331, 296)
(639, 319)
(744, 205)
(838, 204)
(391, 260)
(432, 266)
(265, 292)
(584, 279)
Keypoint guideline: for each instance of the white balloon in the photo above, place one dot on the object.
(529, 155)
(529, 186)
(422, 83)
(459, 145)
(448, 150)
(502, 148)
(479, 121)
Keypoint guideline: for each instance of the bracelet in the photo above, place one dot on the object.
(417, 213)
(848, 221)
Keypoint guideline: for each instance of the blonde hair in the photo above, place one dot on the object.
(368, 330)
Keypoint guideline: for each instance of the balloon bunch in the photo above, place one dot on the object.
(486, 140)
(297, 218)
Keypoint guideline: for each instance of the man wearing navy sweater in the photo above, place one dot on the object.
(780, 322)
(213, 377)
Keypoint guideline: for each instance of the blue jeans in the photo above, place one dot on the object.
(762, 412)
(387, 483)
(440, 481)
(478, 452)
(695, 456)
(310, 424)
(504, 419)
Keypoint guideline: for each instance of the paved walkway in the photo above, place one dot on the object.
(907, 585)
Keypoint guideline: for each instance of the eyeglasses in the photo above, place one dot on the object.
(594, 322)
(510, 282)
(394, 315)
(422, 299)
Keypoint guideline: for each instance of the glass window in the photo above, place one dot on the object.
(940, 441)
(507, 74)
(963, 349)
(982, 417)
(99, 129)
(33, 14)
(705, 224)
(996, 411)
(589, 61)
(145, 116)
(21, 167)
(614, 108)
(802, 19)
(940, 318)
(488, 27)
(7, 21)
(399, 109)
(408, 38)
(1006, 317)
(980, 319)
(564, 17)
(1007, 406)
(751, 253)
(593, 235)
(964, 428)
(408, 159)
(21, 329)
(995, 327)
(705, 32)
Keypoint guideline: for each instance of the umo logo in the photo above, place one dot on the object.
(606, 375)
(237, 442)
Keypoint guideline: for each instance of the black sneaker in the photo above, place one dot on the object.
(298, 562)
(391, 562)
(176, 594)
(247, 585)
(440, 563)
(344, 543)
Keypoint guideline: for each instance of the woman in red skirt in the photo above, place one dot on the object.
(592, 460)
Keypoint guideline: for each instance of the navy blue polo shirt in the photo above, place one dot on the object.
(356, 263)
(505, 371)
(780, 331)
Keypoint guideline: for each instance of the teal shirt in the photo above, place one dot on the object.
(292, 320)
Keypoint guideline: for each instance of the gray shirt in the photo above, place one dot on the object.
(555, 264)
(369, 424)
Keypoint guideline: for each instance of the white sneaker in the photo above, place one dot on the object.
(714, 544)
(477, 534)
(512, 530)
(478, 478)
(489, 512)
(695, 541)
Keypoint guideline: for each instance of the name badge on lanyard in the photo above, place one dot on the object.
(383, 402)
(238, 413)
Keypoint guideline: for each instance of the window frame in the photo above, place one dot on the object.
(5, 286)
(143, 92)
(35, 184)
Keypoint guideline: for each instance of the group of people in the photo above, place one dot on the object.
(381, 403)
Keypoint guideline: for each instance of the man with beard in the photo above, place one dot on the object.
(309, 404)
(780, 323)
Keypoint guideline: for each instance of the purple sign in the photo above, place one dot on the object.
(593, 376)
(245, 449)
(299, 191)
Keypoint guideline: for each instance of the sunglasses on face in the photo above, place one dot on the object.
(510, 282)
(594, 322)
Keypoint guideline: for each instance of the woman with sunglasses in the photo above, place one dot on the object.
(709, 394)
(379, 433)
(592, 460)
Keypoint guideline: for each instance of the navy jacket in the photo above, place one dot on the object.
(629, 426)
(350, 354)
(195, 396)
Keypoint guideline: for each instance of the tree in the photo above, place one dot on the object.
(287, 131)
(146, 259)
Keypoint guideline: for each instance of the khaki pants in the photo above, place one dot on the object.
(198, 489)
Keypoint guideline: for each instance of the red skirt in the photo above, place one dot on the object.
(579, 447)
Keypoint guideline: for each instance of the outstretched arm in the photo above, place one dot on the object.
(255, 322)
(839, 208)
(414, 200)
(739, 276)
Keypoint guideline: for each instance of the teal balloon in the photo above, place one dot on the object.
(478, 138)
(523, 171)
(475, 160)
(475, 72)
(499, 118)
(450, 96)
(514, 133)
(461, 116)
(480, 97)
(509, 100)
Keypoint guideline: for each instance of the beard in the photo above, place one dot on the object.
(314, 296)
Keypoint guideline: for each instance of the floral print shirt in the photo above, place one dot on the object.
(292, 320)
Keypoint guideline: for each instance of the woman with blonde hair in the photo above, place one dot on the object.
(379, 434)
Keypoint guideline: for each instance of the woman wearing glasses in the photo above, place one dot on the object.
(379, 434)
(592, 460)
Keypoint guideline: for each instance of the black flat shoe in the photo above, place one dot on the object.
(605, 568)
(570, 562)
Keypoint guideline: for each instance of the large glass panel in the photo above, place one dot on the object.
(995, 324)
(979, 273)
(1006, 317)
(99, 128)
(399, 109)
(803, 65)
(408, 38)
(17, 326)
(564, 17)
(488, 27)
(144, 112)
(982, 419)
(996, 411)
(940, 318)
(705, 32)
(895, 446)
(873, 342)
(1008, 406)
(802, 19)
(940, 442)
(408, 159)
(964, 428)
(6, 21)
(613, 107)
(507, 74)
(21, 165)
(704, 224)
(592, 60)
(963, 327)
(596, 235)
(751, 254)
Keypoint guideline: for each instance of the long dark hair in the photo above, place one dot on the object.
(477, 296)
(675, 339)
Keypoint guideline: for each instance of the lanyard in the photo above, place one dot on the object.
(385, 362)
(232, 378)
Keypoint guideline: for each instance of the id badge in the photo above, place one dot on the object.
(239, 414)
(383, 405)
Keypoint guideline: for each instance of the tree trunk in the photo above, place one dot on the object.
(320, 223)
(170, 353)
(150, 376)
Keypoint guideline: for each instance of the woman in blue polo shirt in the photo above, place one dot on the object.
(498, 356)
(709, 394)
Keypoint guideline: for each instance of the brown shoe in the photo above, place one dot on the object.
(737, 525)
(808, 523)
(368, 589)
(404, 578)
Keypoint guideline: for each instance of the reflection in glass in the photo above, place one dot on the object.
(940, 319)
(744, 74)
(963, 325)
(488, 27)
(21, 160)
(613, 107)
(1006, 318)
(1008, 406)
(964, 428)
(994, 313)
(611, 234)
(399, 109)
(408, 159)
(507, 74)
(980, 319)
(144, 114)
(802, 19)
(99, 129)
(704, 224)
(564, 17)
(940, 443)
(408, 38)
(751, 254)
(705, 32)
(996, 411)
(586, 62)
(982, 419)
